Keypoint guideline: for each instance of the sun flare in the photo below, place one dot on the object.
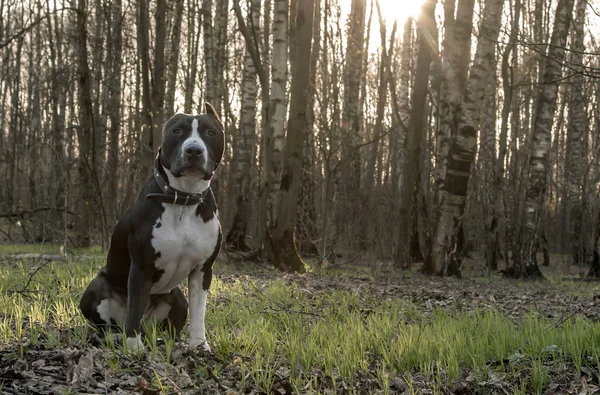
(399, 10)
(391, 10)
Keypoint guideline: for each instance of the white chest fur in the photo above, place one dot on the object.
(183, 244)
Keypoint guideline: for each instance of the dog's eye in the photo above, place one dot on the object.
(211, 133)
(176, 131)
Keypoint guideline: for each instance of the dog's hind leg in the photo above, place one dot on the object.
(170, 310)
(101, 304)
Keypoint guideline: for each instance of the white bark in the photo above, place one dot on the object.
(246, 144)
(577, 127)
(278, 98)
(210, 85)
(525, 263)
(464, 144)
(455, 66)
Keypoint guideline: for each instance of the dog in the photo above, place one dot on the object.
(171, 232)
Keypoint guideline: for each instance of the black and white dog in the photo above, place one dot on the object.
(171, 232)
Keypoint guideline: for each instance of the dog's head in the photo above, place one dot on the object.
(193, 145)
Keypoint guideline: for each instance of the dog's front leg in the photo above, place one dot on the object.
(138, 294)
(199, 282)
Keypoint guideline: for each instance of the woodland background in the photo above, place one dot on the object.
(474, 129)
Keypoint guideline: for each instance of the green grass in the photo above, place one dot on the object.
(265, 326)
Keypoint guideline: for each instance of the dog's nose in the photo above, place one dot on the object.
(194, 150)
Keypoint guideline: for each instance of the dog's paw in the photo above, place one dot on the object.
(135, 345)
(195, 342)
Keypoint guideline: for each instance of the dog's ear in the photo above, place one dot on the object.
(210, 110)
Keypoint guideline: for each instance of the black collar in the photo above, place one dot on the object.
(171, 195)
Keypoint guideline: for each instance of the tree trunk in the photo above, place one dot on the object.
(84, 131)
(193, 48)
(443, 258)
(380, 109)
(246, 145)
(222, 15)
(159, 79)
(524, 259)
(308, 231)
(487, 160)
(114, 104)
(403, 104)
(144, 53)
(577, 128)
(493, 244)
(210, 92)
(416, 126)
(58, 109)
(595, 268)
(284, 252)
(353, 75)
(266, 137)
(173, 59)
(279, 73)
(455, 67)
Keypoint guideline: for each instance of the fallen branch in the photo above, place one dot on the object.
(24, 288)
(61, 258)
(33, 211)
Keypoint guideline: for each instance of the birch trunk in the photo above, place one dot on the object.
(193, 44)
(443, 258)
(159, 78)
(493, 242)
(278, 102)
(353, 74)
(210, 84)
(524, 259)
(400, 115)
(59, 104)
(307, 213)
(266, 133)
(381, 104)
(283, 246)
(143, 49)
(595, 266)
(577, 127)
(173, 59)
(222, 13)
(416, 126)
(115, 49)
(246, 145)
(486, 163)
(455, 67)
(84, 131)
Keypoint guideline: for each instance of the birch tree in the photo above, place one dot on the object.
(283, 249)
(278, 101)
(246, 144)
(400, 105)
(455, 67)
(173, 64)
(577, 129)
(115, 52)
(353, 74)
(416, 125)
(508, 88)
(524, 254)
(443, 258)
(84, 130)
(193, 48)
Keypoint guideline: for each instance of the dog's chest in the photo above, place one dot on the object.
(182, 243)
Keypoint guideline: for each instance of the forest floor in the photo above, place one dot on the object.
(363, 329)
